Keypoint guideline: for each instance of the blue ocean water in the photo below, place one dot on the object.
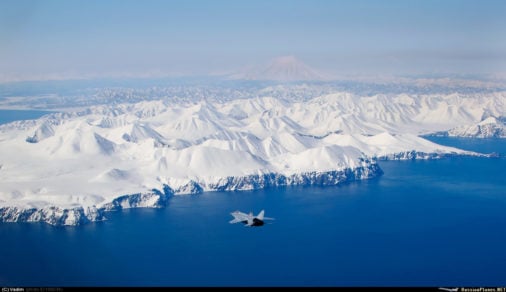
(7, 116)
(423, 223)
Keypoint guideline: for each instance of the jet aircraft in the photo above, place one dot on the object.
(249, 219)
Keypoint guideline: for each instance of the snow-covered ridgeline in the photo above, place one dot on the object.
(70, 168)
(79, 215)
(489, 127)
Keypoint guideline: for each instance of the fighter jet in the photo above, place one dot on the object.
(249, 219)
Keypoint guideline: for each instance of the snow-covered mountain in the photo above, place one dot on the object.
(69, 168)
(283, 69)
(489, 127)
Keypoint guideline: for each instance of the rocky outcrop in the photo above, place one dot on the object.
(59, 216)
(52, 215)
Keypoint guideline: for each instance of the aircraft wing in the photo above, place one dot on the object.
(238, 217)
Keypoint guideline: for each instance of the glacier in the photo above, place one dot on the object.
(71, 168)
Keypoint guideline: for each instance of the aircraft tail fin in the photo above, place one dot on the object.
(260, 215)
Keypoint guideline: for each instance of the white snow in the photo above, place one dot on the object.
(489, 127)
(89, 159)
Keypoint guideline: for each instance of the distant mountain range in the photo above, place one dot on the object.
(285, 68)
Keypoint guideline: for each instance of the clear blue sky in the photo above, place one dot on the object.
(197, 37)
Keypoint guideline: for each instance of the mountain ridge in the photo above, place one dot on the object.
(90, 158)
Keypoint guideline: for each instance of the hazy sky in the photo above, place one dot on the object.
(83, 37)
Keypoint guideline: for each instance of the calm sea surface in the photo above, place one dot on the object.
(16, 115)
(423, 223)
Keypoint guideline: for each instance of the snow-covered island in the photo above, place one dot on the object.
(489, 127)
(70, 168)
